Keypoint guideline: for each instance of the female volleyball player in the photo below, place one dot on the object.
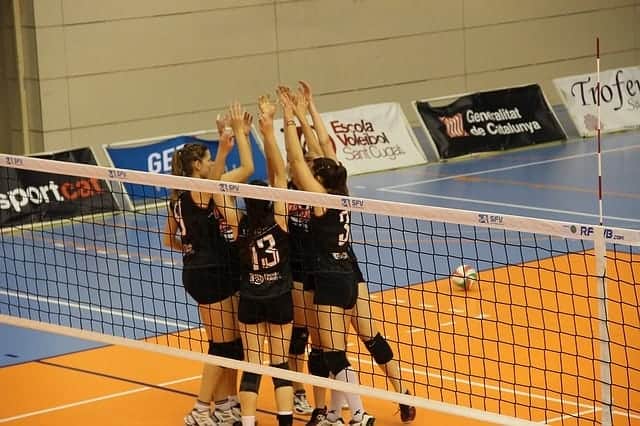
(336, 289)
(361, 320)
(265, 309)
(196, 228)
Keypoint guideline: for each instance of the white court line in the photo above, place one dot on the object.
(448, 323)
(626, 414)
(502, 169)
(570, 416)
(510, 391)
(83, 306)
(91, 400)
(354, 360)
(501, 204)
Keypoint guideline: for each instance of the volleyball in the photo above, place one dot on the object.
(463, 277)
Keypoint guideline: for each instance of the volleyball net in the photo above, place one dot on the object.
(549, 333)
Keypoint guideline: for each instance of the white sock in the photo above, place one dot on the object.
(201, 406)
(248, 420)
(224, 405)
(335, 405)
(353, 399)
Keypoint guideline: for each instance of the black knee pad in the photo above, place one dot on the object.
(299, 338)
(336, 361)
(226, 350)
(278, 382)
(250, 382)
(316, 363)
(238, 349)
(379, 349)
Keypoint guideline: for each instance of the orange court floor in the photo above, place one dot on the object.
(522, 342)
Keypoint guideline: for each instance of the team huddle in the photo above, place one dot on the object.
(275, 271)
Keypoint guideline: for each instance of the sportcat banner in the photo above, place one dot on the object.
(490, 121)
(619, 100)
(155, 155)
(368, 138)
(28, 196)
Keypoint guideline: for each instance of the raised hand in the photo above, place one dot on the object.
(300, 103)
(267, 110)
(305, 89)
(226, 142)
(248, 119)
(236, 115)
(285, 101)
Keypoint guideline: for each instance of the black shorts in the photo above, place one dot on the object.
(336, 284)
(274, 310)
(302, 271)
(357, 271)
(208, 285)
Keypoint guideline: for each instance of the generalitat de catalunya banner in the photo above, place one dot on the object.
(490, 121)
(619, 100)
(368, 138)
(155, 156)
(29, 196)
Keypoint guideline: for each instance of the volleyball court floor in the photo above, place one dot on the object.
(46, 379)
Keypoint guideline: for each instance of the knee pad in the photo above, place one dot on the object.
(299, 338)
(379, 349)
(250, 382)
(238, 349)
(278, 382)
(226, 350)
(336, 361)
(316, 363)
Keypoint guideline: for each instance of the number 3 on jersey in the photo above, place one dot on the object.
(264, 253)
(343, 237)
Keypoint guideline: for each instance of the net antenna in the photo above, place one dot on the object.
(601, 271)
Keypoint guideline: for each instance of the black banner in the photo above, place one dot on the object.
(28, 196)
(491, 121)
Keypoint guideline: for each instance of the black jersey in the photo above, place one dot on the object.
(264, 254)
(299, 227)
(331, 233)
(203, 232)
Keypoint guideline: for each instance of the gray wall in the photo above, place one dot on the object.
(103, 71)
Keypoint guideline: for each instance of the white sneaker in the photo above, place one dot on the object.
(301, 404)
(199, 418)
(367, 420)
(228, 417)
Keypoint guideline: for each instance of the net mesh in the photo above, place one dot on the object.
(527, 341)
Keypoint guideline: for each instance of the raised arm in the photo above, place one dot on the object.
(318, 124)
(302, 175)
(225, 145)
(275, 164)
(229, 210)
(241, 126)
(301, 109)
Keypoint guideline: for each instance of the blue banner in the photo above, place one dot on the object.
(156, 157)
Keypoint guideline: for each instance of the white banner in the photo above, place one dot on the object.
(619, 100)
(369, 138)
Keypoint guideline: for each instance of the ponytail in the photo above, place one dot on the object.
(182, 162)
(177, 170)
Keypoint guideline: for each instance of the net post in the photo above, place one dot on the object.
(603, 329)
